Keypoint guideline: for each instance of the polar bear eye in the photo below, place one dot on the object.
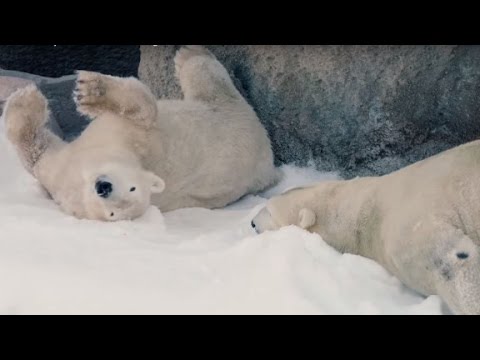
(133, 189)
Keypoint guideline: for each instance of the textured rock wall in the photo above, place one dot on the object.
(361, 110)
(60, 60)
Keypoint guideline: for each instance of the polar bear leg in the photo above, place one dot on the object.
(26, 114)
(96, 94)
(456, 265)
(202, 77)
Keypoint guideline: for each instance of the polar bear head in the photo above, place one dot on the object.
(116, 191)
(284, 210)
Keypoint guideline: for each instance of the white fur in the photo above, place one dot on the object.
(422, 223)
(207, 150)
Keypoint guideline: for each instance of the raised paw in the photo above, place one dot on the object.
(28, 97)
(25, 107)
(90, 88)
(187, 52)
(25, 115)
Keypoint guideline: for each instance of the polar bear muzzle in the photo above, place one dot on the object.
(263, 221)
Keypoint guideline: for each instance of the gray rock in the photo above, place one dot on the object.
(360, 110)
(60, 60)
(65, 120)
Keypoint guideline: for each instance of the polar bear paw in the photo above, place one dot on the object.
(91, 90)
(187, 52)
(25, 111)
(28, 97)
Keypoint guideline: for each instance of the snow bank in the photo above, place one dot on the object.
(190, 261)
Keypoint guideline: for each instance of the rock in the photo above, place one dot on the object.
(359, 110)
(65, 120)
(61, 60)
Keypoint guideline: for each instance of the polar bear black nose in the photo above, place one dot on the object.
(103, 188)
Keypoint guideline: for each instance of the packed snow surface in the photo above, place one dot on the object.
(189, 261)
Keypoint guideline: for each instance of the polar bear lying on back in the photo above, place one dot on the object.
(422, 223)
(207, 150)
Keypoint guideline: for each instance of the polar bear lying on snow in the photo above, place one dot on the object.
(422, 223)
(207, 150)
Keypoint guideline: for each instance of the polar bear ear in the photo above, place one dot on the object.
(158, 185)
(306, 218)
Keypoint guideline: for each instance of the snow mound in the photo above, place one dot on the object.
(190, 261)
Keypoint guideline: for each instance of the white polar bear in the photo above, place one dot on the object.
(207, 150)
(422, 223)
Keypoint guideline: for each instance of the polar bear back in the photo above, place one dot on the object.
(203, 141)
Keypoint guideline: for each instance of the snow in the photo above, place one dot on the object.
(190, 261)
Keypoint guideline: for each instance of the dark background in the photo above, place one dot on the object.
(56, 61)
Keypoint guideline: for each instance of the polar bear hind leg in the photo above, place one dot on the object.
(202, 77)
